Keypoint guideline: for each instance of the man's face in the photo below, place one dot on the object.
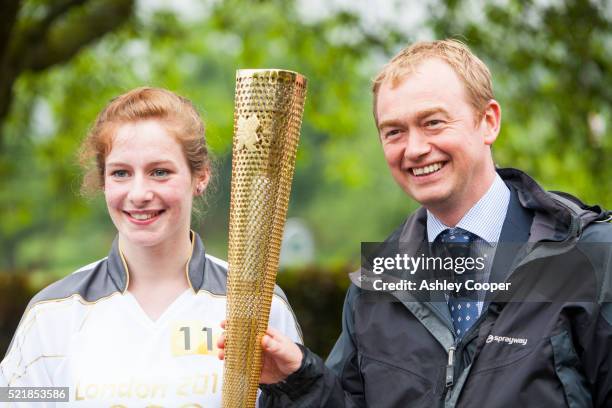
(436, 149)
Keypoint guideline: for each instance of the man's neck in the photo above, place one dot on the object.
(454, 211)
(449, 217)
(485, 218)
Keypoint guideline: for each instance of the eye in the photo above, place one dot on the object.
(388, 134)
(434, 123)
(160, 173)
(119, 174)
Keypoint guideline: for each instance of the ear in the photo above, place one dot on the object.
(491, 121)
(201, 181)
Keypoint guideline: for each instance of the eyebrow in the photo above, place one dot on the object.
(152, 164)
(428, 112)
(419, 116)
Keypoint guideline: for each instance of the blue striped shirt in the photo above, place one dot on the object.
(485, 219)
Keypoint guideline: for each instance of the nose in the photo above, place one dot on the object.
(140, 191)
(417, 146)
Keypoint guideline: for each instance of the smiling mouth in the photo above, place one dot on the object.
(144, 216)
(425, 170)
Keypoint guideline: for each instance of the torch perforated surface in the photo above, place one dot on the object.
(267, 119)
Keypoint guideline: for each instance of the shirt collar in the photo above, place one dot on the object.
(485, 218)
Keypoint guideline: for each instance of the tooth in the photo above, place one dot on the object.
(142, 217)
(418, 171)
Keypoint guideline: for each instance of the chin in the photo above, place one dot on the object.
(142, 238)
(431, 199)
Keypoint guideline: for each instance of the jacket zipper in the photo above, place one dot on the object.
(452, 350)
(452, 354)
(450, 367)
(450, 371)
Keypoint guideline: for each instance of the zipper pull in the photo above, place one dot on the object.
(450, 368)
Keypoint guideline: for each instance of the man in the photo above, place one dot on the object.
(437, 119)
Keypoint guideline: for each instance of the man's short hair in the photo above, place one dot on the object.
(471, 70)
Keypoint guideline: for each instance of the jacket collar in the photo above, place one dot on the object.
(195, 268)
(556, 217)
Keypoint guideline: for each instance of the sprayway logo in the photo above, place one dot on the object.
(508, 340)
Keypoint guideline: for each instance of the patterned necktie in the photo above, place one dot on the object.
(456, 243)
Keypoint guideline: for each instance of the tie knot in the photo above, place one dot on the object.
(456, 236)
(454, 242)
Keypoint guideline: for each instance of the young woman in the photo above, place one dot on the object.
(138, 328)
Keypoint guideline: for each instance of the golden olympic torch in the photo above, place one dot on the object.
(267, 118)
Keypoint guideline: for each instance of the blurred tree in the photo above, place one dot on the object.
(550, 82)
(552, 66)
(35, 35)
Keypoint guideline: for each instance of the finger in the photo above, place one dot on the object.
(223, 324)
(270, 344)
(272, 332)
(221, 354)
(221, 341)
(286, 354)
(274, 341)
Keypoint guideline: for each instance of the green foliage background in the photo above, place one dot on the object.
(551, 63)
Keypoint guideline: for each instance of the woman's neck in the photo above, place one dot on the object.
(157, 274)
(157, 265)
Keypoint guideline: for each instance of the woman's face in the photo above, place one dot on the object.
(148, 185)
